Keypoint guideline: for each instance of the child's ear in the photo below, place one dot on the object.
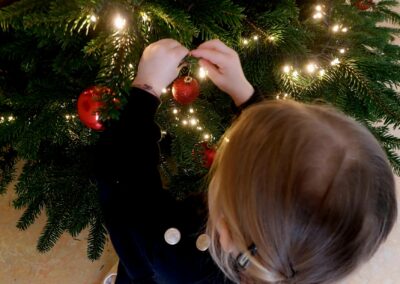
(225, 238)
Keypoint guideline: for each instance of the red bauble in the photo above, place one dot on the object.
(89, 104)
(204, 153)
(185, 90)
(364, 4)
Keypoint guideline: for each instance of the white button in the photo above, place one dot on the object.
(203, 242)
(172, 236)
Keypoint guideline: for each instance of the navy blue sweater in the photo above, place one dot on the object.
(138, 211)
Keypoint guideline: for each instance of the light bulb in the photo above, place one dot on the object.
(345, 30)
(93, 18)
(311, 67)
(335, 28)
(185, 122)
(202, 73)
(245, 42)
(335, 61)
(342, 50)
(206, 136)
(317, 15)
(191, 110)
(255, 37)
(193, 122)
(119, 22)
(286, 69)
(318, 8)
(174, 111)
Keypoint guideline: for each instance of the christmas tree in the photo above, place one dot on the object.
(333, 52)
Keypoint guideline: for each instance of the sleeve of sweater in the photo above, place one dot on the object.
(131, 194)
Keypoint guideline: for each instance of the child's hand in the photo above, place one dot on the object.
(158, 66)
(224, 69)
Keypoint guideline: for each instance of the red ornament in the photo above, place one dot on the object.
(185, 90)
(205, 153)
(364, 4)
(89, 104)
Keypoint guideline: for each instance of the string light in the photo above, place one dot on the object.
(93, 18)
(174, 111)
(295, 74)
(119, 22)
(202, 73)
(199, 128)
(342, 50)
(271, 38)
(10, 118)
(164, 90)
(206, 136)
(335, 28)
(2, 119)
(184, 122)
(345, 30)
(321, 72)
(311, 67)
(191, 110)
(245, 41)
(319, 13)
(286, 69)
(335, 62)
(67, 117)
(193, 122)
(255, 37)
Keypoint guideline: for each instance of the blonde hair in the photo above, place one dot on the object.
(310, 187)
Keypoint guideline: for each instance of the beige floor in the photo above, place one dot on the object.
(66, 263)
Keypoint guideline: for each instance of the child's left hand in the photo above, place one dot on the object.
(159, 64)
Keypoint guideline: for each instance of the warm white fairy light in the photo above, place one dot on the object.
(311, 67)
(277, 97)
(342, 50)
(2, 119)
(335, 61)
(67, 117)
(193, 121)
(321, 72)
(345, 30)
(119, 22)
(318, 8)
(285, 96)
(206, 136)
(226, 139)
(202, 73)
(199, 128)
(185, 122)
(10, 118)
(295, 74)
(191, 110)
(93, 18)
(164, 90)
(335, 28)
(255, 37)
(245, 41)
(174, 111)
(164, 132)
(286, 69)
(318, 15)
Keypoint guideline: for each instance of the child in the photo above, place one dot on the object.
(298, 193)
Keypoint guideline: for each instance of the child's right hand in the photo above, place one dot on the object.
(224, 69)
(159, 64)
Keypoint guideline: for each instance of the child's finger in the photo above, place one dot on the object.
(213, 56)
(217, 45)
(181, 52)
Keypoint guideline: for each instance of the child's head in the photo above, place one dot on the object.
(310, 187)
